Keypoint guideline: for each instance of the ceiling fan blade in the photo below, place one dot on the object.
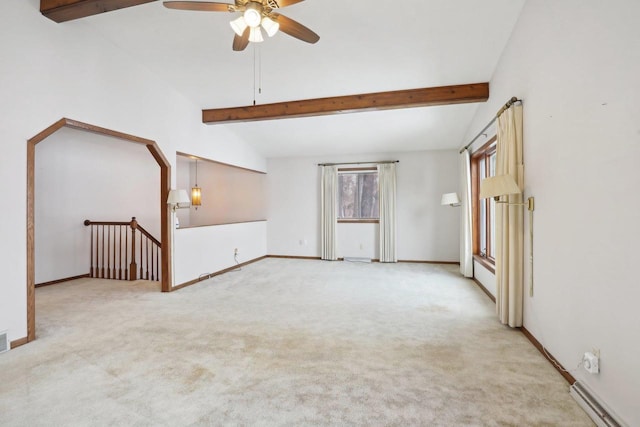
(296, 29)
(240, 42)
(205, 6)
(279, 4)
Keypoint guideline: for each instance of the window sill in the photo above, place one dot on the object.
(358, 221)
(486, 263)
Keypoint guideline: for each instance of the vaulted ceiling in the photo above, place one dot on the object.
(365, 46)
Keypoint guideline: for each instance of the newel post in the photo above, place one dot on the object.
(133, 267)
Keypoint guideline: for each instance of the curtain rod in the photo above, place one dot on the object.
(360, 163)
(509, 103)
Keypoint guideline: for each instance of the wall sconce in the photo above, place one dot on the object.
(176, 198)
(502, 185)
(450, 199)
(196, 192)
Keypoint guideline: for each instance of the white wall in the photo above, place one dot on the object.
(358, 240)
(203, 250)
(81, 175)
(576, 65)
(54, 70)
(427, 231)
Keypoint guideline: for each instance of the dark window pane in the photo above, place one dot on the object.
(368, 184)
(347, 196)
(358, 196)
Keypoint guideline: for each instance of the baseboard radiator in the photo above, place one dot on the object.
(356, 259)
(598, 413)
(4, 341)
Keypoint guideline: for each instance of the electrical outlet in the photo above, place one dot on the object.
(591, 363)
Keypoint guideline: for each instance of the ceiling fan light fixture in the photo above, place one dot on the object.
(239, 25)
(270, 26)
(253, 14)
(255, 35)
(251, 17)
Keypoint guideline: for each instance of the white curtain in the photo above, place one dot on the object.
(387, 195)
(329, 211)
(509, 220)
(466, 234)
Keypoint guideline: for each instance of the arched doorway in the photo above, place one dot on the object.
(165, 183)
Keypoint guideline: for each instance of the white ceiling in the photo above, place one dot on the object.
(365, 46)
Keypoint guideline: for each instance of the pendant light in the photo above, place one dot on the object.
(196, 193)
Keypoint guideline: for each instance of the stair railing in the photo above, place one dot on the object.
(117, 252)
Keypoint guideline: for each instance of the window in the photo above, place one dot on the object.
(483, 165)
(358, 195)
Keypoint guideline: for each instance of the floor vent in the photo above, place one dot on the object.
(4, 341)
(356, 259)
(601, 416)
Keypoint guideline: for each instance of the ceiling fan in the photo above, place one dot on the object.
(257, 15)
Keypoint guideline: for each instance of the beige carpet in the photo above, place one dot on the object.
(284, 343)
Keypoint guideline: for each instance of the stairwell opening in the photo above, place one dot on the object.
(163, 260)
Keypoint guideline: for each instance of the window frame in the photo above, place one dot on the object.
(358, 220)
(482, 153)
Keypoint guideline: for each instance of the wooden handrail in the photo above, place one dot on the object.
(148, 235)
(110, 259)
(87, 222)
(132, 224)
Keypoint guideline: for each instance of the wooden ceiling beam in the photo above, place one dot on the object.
(68, 10)
(426, 97)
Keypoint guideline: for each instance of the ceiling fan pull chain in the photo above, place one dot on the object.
(259, 71)
(254, 74)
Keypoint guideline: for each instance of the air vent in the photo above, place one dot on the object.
(4, 341)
